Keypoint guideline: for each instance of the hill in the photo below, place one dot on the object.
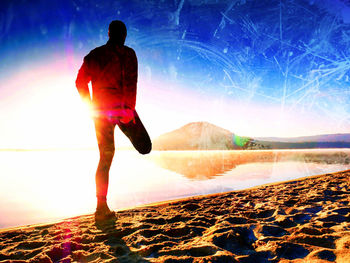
(340, 137)
(206, 136)
(195, 136)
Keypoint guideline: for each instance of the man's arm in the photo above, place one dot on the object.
(82, 81)
(130, 80)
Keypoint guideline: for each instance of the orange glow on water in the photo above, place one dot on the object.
(39, 186)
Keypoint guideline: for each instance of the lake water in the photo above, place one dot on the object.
(42, 186)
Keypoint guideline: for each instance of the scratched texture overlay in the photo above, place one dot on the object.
(258, 67)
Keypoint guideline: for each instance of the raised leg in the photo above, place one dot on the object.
(137, 134)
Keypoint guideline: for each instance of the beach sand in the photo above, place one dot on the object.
(305, 220)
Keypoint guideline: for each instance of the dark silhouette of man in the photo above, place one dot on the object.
(112, 70)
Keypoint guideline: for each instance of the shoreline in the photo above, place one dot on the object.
(160, 203)
(303, 219)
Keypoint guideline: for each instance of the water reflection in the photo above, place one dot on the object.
(203, 165)
(37, 187)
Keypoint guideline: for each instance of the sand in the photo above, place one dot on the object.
(306, 220)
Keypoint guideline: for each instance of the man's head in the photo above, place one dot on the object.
(117, 32)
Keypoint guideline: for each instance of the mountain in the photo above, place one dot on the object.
(195, 136)
(206, 136)
(203, 136)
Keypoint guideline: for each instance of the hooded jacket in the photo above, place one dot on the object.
(112, 70)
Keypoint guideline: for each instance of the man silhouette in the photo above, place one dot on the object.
(112, 70)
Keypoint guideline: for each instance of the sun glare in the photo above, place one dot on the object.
(41, 108)
(46, 111)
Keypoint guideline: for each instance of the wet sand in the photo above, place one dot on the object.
(304, 220)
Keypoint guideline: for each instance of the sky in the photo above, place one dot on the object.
(254, 67)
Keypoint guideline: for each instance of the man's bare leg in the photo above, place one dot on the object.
(137, 134)
(105, 139)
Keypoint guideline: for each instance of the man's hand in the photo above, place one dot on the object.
(127, 116)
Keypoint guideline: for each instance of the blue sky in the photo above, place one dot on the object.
(257, 68)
